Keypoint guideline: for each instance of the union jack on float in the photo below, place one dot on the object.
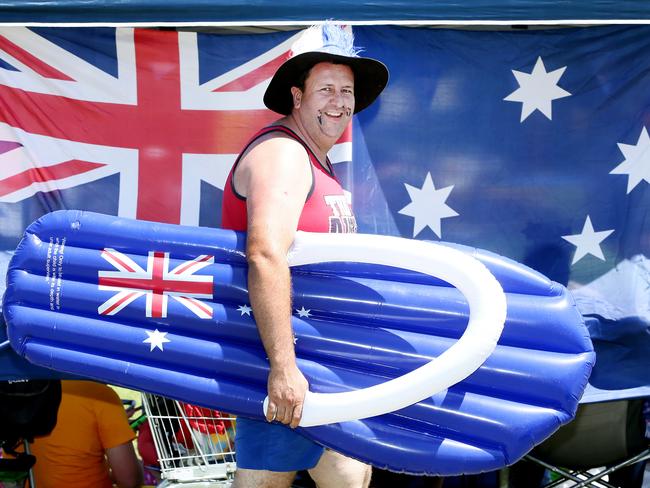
(157, 282)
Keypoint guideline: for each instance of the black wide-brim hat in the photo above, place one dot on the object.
(370, 75)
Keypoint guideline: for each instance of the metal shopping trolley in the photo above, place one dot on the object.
(194, 445)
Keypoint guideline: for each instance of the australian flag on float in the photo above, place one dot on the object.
(529, 143)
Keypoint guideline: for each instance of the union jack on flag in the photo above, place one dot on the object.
(157, 283)
(162, 111)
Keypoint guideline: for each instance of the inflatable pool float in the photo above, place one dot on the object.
(406, 371)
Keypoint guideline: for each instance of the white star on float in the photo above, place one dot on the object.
(537, 90)
(156, 339)
(244, 310)
(428, 206)
(637, 161)
(588, 241)
(303, 313)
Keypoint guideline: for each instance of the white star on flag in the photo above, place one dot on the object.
(303, 313)
(637, 161)
(244, 310)
(537, 90)
(428, 206)
(588, 241)
(156, 339)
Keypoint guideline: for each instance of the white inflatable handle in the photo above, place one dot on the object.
(487, 305)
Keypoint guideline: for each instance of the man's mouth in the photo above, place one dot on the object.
(333, 114)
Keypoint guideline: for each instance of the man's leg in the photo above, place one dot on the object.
(335, 470)
(253, 478)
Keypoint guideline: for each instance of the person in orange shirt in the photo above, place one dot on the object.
(90, 445)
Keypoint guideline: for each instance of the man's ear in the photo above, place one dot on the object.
(296, 94)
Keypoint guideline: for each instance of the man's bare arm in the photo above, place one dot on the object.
(275, 176)
(126, 470)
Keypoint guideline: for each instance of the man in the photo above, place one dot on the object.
(283, 182)
(91, 444)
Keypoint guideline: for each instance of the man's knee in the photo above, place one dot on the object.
(335, 470)
(253, 478)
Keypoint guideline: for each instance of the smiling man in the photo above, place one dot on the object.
(283, 182)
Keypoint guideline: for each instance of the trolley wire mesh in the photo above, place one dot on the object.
(193, 444)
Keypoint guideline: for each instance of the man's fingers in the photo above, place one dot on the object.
(297, 414)
(271, 412)
(284, 415)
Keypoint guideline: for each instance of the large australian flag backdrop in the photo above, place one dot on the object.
(532, 144)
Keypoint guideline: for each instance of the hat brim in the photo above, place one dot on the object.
(370, 78)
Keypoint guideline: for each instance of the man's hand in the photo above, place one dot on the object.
(286, 387)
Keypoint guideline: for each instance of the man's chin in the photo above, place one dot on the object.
(335, 130)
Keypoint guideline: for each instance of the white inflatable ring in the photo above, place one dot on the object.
(487, 304)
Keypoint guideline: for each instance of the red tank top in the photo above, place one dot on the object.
(326, 208)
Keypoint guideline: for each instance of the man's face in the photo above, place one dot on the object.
(326, 105)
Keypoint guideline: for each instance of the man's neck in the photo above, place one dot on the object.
(293, 123)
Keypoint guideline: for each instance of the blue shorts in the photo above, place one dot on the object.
(273, 447)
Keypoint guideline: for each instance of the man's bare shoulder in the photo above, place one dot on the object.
(274, 145)
(275, 148)
(273, 158)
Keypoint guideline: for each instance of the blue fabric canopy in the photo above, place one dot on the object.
(285, 11)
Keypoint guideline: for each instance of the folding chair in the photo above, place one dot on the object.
(607, 434)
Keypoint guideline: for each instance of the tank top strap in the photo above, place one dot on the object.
(288, 132)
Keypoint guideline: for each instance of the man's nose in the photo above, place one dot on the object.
(338, 98)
